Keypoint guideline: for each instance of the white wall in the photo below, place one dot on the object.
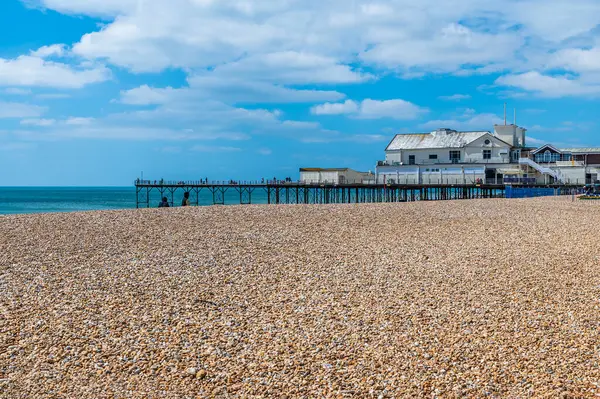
(474, 151)
(507, 133)
(353, 176)
(349, 176)
(431, 174)
(319, 177)
(572, 175)
(393, 156)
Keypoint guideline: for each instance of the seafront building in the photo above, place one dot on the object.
(445, 156)
(335, 175)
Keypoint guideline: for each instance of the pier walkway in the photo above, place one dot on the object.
(306, 193)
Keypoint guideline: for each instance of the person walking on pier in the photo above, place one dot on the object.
(164, 203)
(186, 199)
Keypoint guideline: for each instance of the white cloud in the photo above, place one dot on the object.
(469, 121)
(88, 7)
(17, 146)
(229, 90)
(291, 67)
(455, 97)
(16, 91)
(368, 138)
(554, 20)
(395, 109)
(20, 110)
(255, 35)
(549, 86)
(536, 141)
(372, 109)
(347, 107)
(123, 132)
(449, 49)
(53, 96)
(34, 71)
(265, 151)
(49, 51)
(209, 148)
(145, 95)
(38, 122)
(78, 121)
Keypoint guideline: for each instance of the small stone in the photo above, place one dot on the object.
(201, 374)
(191, 371)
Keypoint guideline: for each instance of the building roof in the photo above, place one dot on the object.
(548, 147)
(438, 139)
(582, 150)
(332, 170)
(324, 169)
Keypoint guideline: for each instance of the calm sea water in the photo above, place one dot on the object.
(15, 200)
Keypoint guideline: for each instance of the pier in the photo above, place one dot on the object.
(306, 193)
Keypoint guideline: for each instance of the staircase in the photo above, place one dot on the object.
(542, 169)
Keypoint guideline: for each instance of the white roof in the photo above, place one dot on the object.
(581, 150)
(438, 139)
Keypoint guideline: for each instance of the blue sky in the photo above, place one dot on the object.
(94, 92)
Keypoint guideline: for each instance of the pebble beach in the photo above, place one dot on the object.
(480, 298)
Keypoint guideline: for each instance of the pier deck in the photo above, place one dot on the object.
(306, 193)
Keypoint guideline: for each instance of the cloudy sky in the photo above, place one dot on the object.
(93, 92)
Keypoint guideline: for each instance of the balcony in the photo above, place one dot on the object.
(389, 163)
(519, 180)
(429, 162)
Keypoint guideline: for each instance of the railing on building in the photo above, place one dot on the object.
(468, 161)
(519, 180)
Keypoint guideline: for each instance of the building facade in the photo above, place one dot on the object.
(447, 156)
(577, 166)
(335, 176)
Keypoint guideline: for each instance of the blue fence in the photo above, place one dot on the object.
(529, 192)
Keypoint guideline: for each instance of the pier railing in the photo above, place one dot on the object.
(189, 183)
(202, 192)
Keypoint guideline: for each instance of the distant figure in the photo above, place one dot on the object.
(186, 199)
(164, 203)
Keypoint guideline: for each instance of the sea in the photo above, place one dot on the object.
(25, 200)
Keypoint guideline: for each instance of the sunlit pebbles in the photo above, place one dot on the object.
(496, 298)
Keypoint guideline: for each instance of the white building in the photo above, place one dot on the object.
(447, 156)
(571, 165)
(335, 176)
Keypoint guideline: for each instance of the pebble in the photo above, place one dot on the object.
(474, 298)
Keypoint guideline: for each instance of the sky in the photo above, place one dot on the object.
(96, 92)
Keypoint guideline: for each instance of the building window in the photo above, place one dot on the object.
(454, 156)
(433, 157)
(411, 160)
(487, 154)
(487, 142)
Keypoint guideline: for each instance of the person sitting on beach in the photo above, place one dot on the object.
(164, 203)
(186, 199)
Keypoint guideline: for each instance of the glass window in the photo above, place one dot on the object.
(411, 159)
(547, 156)
(487, 154)
(433, 156)
(454, 156)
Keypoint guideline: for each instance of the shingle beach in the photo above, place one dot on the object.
(481, 298)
